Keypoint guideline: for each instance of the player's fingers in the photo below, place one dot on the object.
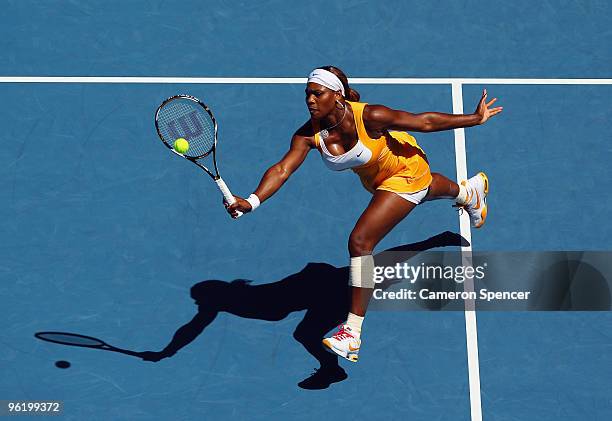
(235, 207)
(230, 210)
(483, 102)
(235, 212)
(491, 102)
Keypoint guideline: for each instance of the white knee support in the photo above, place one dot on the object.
(361, 272)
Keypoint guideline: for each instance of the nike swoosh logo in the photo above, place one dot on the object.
(359, 154)
(353, 349)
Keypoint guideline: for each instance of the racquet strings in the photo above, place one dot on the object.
(69, 339)
(185, 118)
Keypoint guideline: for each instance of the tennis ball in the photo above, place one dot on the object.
(181, 145)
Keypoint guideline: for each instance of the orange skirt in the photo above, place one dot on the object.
(402, 167)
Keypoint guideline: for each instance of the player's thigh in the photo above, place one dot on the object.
(385, 211)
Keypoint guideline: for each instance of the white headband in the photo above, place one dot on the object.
(327, 79)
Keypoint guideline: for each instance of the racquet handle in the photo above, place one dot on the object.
(227, 194)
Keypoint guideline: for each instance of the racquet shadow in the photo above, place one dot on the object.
(319, 288)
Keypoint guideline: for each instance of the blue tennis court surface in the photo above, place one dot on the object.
(105, 233)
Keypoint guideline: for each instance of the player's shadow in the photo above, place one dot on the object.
(319, 288)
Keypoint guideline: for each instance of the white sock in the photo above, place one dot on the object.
(354, 322)
(462, 197)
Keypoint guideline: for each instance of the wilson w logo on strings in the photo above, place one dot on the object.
(188, 129)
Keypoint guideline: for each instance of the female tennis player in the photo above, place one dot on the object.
(372, 141)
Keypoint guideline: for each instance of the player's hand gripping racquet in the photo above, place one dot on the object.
(183, 116)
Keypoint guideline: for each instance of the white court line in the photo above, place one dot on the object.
(298, 80)
(471, 330)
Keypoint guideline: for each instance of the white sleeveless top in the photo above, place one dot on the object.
(356, 156)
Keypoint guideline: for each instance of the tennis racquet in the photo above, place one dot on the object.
(184, 116)
(74, 339)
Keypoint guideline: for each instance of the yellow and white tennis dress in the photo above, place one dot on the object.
(393, 162)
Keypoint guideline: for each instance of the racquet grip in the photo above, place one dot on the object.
(227, 194)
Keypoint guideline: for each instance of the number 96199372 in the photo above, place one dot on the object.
(15, 407)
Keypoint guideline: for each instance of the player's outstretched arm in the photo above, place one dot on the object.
(182, 337)
(277, 174)
(380, 118)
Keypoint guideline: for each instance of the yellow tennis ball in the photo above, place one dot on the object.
(181, 145)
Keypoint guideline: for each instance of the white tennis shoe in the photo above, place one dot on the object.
(344, 343)
(476, 206)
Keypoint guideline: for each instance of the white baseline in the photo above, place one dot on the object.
(299, 80)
